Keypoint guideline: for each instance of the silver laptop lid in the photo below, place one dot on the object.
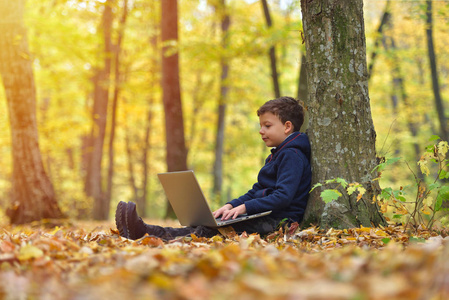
(187, 199)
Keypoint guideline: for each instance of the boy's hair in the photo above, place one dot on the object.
(286, 109)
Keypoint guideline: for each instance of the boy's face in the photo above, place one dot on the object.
(272, 130)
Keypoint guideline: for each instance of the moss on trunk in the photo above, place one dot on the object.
(341, 129)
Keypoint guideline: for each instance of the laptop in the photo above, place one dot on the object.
(189, 204)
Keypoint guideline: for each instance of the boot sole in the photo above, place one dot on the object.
(131, 219)
(120, 219)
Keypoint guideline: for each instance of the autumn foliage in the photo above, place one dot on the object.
(73, 262)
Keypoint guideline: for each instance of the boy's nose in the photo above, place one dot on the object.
(261, 131)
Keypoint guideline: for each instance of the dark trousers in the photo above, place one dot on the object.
(262, 226)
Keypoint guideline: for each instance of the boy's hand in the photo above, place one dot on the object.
(234, 212)
(222, 210)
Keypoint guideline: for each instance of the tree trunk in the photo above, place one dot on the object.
(143, 203)
(174, 123)
(142, 200)
(197, 103)
(224, 88)
(33, 196)
(433, 67)
(383, 22)
(399, 86)
(303, 90)
(272, 53)
(132, 177)
(93, 185)
(341, 129)
(117, 83)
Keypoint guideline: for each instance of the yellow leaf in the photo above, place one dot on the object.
(361, 193)
(364, 229)
(443, 147)
(53, 232)
(162, 281)
(425, 210)
(423, 166)
(29, 251)
(381, 233)
(24, 55)
(217, 238)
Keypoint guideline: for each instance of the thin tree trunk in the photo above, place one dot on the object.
(303, 90)
(93, 186)
(379, 37)
(143, 201)
(398, 81)
(132, 177)
(174, 121)
(399, 85)
(33, 196)
(117, 82)
(272, 53)
(224, 89)
(433, 67)
(341, 129)
(197, 104)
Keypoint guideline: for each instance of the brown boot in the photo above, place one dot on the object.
(136, 227)
(120, 219)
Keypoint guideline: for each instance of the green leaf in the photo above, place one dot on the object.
(330, 195)
(434, 138)
(342, 182)
(385, 240)
(414, 239)
(315, 186)
(397, 216)
(443, 195)
(399, 194)
(401, 198)
(389, 161)
(386, 193)
(433, 186)
(438, 203)
(444, 174)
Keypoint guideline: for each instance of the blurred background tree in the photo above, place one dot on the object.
(74, 43)
(32, 196)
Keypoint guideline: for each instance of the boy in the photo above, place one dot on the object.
(282, 185)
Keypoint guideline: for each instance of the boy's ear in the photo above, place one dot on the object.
(288, 127)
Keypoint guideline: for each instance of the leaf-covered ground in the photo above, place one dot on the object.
(82, 262)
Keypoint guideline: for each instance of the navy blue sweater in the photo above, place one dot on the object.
(283, 183)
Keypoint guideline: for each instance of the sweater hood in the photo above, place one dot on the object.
(296, 140)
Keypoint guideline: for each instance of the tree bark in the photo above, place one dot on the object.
(143, 203)
(224, 89)
(142, 199)
(33, 196)
(93, 187)
(174, 122)
(132, 177)
(383, 22)
(117, 83)
(303, 90)
(341, 129)
(272, 53)
(399, 86)
(433, 67)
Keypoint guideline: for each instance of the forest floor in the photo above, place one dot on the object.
(87, 260)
